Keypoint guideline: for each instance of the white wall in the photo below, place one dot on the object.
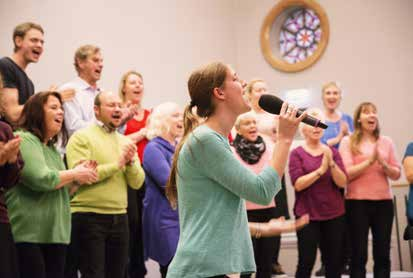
(164, 40)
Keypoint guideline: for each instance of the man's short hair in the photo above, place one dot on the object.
(21, 30)
(97, 99)
(84, 52)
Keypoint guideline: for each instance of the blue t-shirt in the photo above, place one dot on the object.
(409, 209)
(333, 128)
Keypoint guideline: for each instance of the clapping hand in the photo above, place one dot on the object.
(129, 111)
(9, 151)
(344, 129)
(66, 95)
(86, 172)
(128, 154)
(327, 159)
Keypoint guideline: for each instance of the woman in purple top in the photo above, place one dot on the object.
(317, 174)
(11, 164)
(160, 222)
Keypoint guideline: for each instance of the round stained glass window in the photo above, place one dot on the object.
(294, 35)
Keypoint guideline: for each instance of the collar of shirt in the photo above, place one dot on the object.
(105, 128)
(82, 84)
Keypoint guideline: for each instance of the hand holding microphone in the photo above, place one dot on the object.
(273, 104)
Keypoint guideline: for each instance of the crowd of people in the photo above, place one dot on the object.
(91, 182)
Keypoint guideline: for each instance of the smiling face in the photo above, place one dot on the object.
(247, 127)
(175, 124)
(91, 68)
(133, 88)
(30, 46)
(109, 110)
(331, 97)
(53, 116)
(368, 119)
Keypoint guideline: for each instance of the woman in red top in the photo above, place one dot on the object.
(131, 91)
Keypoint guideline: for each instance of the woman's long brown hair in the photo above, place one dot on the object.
(357, 135)
(201, 84)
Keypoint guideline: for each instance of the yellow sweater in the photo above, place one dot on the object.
(109, 194)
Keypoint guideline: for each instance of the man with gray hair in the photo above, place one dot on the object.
(88, 63)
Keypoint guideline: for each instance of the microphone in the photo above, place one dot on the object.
(272, 104)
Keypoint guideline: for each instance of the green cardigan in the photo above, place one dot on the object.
(38, 212)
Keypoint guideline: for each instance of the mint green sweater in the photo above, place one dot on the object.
(38, 212)
(212, 186)
(109, 194)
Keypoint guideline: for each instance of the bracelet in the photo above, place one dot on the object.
(318, 173)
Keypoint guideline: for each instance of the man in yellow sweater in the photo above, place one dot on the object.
(99, 220)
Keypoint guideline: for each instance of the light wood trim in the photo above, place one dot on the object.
(278, 63)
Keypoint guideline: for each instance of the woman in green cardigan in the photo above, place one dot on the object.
(38, 206)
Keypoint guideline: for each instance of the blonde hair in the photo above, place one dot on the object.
(21, 30)
(242, 117)
(330, 84)
(123, 82)
(315, 112)
(201, 85)
(251, 84)
(156, 123)
(83, 53)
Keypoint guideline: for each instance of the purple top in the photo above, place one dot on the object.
(322, 200)
(159, 221)
(9, 173)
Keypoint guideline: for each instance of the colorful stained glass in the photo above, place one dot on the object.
(300, 35)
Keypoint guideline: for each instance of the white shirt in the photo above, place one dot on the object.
(79, 111)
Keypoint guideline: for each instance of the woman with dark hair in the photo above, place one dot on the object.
(209, 185)
(38, 206)
(370, 160)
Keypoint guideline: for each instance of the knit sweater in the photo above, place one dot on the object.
(212, 186)
(109, 194)
(38, 212)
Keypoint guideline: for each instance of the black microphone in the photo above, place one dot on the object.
(272, 104)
